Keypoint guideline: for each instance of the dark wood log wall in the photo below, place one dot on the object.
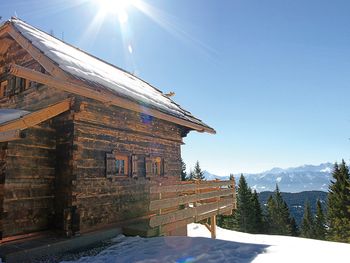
(56, 177)
(29, 184)
(3, 152)
(28, 204)
(101, 129)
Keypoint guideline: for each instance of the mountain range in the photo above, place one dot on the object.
(295, 179)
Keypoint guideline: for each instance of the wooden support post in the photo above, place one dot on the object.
(160, 210)
(213, 226)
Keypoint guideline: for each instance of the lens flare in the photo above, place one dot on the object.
(116, 7)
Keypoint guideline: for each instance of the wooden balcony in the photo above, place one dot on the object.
(175, 204)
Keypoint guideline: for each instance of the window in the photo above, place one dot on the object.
(154, 166)
(117, 165)
(121, 165)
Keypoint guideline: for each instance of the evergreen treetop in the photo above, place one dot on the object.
(319, 222)
(198, 174)
(183, 171)
(339, 203)
(307, 225)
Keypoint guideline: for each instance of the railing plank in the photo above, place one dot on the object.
(187, 187)
(183, 214)
(181, 200)
(213, 213)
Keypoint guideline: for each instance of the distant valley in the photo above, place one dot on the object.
(298, 185)
(296, 179)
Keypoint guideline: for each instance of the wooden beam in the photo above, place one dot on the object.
(213, 226)
(36, 117)
(222, 211)
(44, 61)
(4, 29)
(176, 225)
(181, 200)
(187, 187)
(104, 97)
(195, 212)
(11, 135)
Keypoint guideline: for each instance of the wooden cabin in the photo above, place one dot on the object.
(85, 145)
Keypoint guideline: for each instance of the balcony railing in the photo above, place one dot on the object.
(175, 204)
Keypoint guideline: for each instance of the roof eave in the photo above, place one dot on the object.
(106, 98)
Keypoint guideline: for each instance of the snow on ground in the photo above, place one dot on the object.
(230, 246)
(282, 248)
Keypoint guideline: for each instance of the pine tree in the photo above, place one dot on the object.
(243, 215)
(183, 171)
(232, 177)
(294, 227)
(198, 174)
(307, 225)
(258, 224)
(319, 222)
(338, 203)
(191, 175)
(278, 215)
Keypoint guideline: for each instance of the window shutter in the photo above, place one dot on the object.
(111, 169)
(165, 168)
(148, 167)
(134, 162)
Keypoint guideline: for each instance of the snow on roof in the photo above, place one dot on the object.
(7, 115)
(96, 72)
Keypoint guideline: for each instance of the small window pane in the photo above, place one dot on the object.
(120, 166)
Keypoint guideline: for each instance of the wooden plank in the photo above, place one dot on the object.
(4, 45)
(181, 200)
(47, 63)
(11, 135)
(102, 96)
(173, 226)
(190, 212)
(172, 217)
(36, 117)
(4, 30)
(217, 212)
(187, 187)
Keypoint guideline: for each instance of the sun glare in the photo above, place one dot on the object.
(116, 7)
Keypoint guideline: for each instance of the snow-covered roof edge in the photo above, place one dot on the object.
(96, 72)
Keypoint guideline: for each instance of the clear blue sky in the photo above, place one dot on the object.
(272, 77)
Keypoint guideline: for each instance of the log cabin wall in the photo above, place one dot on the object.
(28, 204)
(30, 178)
(3, 152)
(35, 96)
(64, 127)
(101, 129)
(74, 193)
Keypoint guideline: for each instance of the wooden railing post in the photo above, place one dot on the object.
(213, 226)
(160, 210)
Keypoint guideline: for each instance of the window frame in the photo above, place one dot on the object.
(155, 166)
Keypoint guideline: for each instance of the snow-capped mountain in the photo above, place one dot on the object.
(295, 179)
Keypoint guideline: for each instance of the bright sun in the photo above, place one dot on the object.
(118, 7)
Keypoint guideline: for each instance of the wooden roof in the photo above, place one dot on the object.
(20, 120)
(80, 73)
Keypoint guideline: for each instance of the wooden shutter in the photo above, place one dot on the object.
(134, 163)
(165, 168)
(149, 171)
(111, 169)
